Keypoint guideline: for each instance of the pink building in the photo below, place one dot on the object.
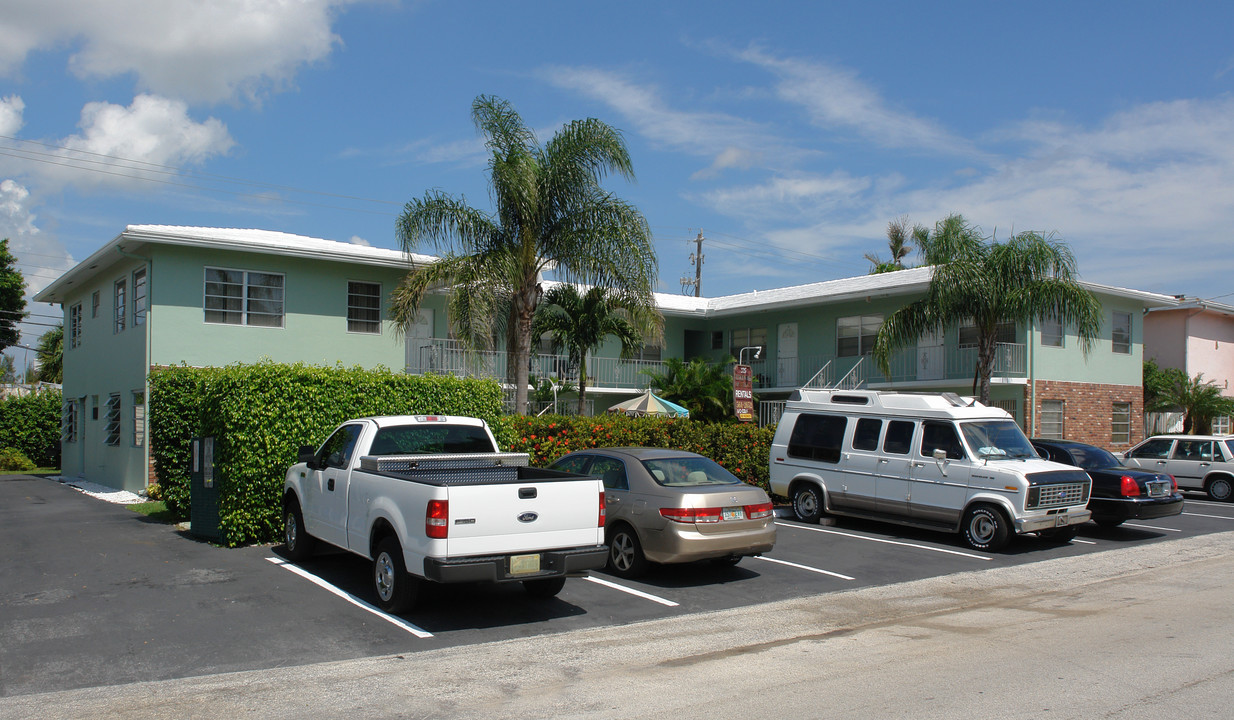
(1195, 336)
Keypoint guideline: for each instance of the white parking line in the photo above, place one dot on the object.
(1219, 517)
(803, 567)
(883, 540)
(392, 619)
(632, 591)
(1151, 527)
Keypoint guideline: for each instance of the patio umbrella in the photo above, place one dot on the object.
(650, 404)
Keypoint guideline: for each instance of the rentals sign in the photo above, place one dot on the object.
(743, 392)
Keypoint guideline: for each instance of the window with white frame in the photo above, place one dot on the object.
(75, 325)
(119, 296)
(243, 297)
(364, 307)
(1120, 423)
(139, 297)
(1120, 333)
(139, 418)
(747, 337)
(112, 431)
(1221, 425)
(1052, 332)
(68, 421)
(855, 335)
(1050, 424)
(1004, 333)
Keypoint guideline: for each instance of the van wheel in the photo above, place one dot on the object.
(1220, 489)
(985, 528)
(808, 502)
(396, 590)
(544, 589)
(297, 542)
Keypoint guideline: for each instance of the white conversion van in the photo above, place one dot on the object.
(928, 460)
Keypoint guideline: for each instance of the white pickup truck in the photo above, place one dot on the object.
(431, 498)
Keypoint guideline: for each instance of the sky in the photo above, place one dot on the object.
(788, 134)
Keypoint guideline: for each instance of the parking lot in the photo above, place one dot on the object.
(94, 594)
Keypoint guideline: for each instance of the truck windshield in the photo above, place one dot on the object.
(997, 440)
(431, 440)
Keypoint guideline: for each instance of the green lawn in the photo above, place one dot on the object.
(155, 510)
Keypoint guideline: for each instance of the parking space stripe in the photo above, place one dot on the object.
(392, 619)
(884, 540)
(1219, 517)
(1083, 542)
(1152, 527)
(632, 591)
(803, 567)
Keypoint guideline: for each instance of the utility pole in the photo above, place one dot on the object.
(696, 259)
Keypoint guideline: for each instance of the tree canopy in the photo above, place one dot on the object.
(51, 355)
(703, 388)
(551, 213)
(12, 297)
(1201, 401)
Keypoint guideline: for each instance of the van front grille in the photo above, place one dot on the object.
(1057, 495)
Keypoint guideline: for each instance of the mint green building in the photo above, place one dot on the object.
(162, 295)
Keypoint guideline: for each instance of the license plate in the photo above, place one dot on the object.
(1158, 489)
(523, 564)
(1062, 520)
(734, 513)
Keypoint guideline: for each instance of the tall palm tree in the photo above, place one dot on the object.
(581, 322)
(551, 213)
(1029, 276)
(899, 242)
(51, 355)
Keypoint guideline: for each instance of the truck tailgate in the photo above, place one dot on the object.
(524, 516)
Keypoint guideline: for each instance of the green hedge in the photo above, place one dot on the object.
(31, 424)
(261, 414)
(743, 449)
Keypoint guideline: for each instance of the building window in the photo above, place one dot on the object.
(118, 295)
(652, 353)
(243, 297)
(1052, 332)
(364, 307)
(94, 407)
(1003, 333)
(1120, 423)
(1221, 426)
(113, 419)
(139, 297)
(68, 421)
(75, 325)
(717, 340)
(139, 419)
(855, 335)
(747, 337)
(1120, 334)
(1050, 425)
(94, 304)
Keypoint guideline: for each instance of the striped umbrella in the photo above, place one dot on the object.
(650, 404)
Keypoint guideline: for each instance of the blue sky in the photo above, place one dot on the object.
(789, 133)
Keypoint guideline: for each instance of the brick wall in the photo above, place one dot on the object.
(1088, 411)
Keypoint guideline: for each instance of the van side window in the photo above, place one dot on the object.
(939, 435)
(865, 437)
(899, 437)
(818, 437)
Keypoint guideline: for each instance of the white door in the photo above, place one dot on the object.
(786, 355)
(420, 343)
(930, 356)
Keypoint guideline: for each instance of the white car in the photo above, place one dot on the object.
(1197, 462)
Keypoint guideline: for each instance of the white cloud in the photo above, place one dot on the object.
(117, 145)
(43, 257)
(11, 109)
(798, 196)
(357, 240)
(198, 51)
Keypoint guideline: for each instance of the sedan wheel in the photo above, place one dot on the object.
(1220, 489)
(625, 554)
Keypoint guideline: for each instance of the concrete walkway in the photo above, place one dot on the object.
(1141, 632)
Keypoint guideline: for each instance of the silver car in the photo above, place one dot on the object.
(1197, 462)
(672, 506)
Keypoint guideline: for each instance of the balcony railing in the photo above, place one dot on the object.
(449, 357)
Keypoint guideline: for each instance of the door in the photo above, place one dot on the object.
(326, 494)
(862, 463)
(895, 468)
(787, 365)
(1191, 461)
(940, 486)
(930, 356)
(420, 357)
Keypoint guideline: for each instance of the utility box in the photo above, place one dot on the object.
(203, 491)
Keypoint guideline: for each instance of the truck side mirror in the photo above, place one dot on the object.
(308, 456)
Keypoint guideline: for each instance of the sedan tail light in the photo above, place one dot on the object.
(758, 512)
(1174, 482)
(437, 519)
(692, 515)
(1129, 488)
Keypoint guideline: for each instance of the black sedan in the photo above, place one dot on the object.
(1119, 493)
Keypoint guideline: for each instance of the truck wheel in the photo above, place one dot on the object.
(1060, 535)
(985, 528)
(625, 553)
(544, 589)
(396, 590)
(808, 502)
(297, 543)
(1220, 489)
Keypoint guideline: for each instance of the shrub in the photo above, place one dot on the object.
(31, 425)
(14, 460)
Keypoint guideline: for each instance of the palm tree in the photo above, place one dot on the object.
(1201, 401)
(551, 213)
(580, 323)
(1028, 277)
(703, 388)
(51, 355)
(898, 237)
